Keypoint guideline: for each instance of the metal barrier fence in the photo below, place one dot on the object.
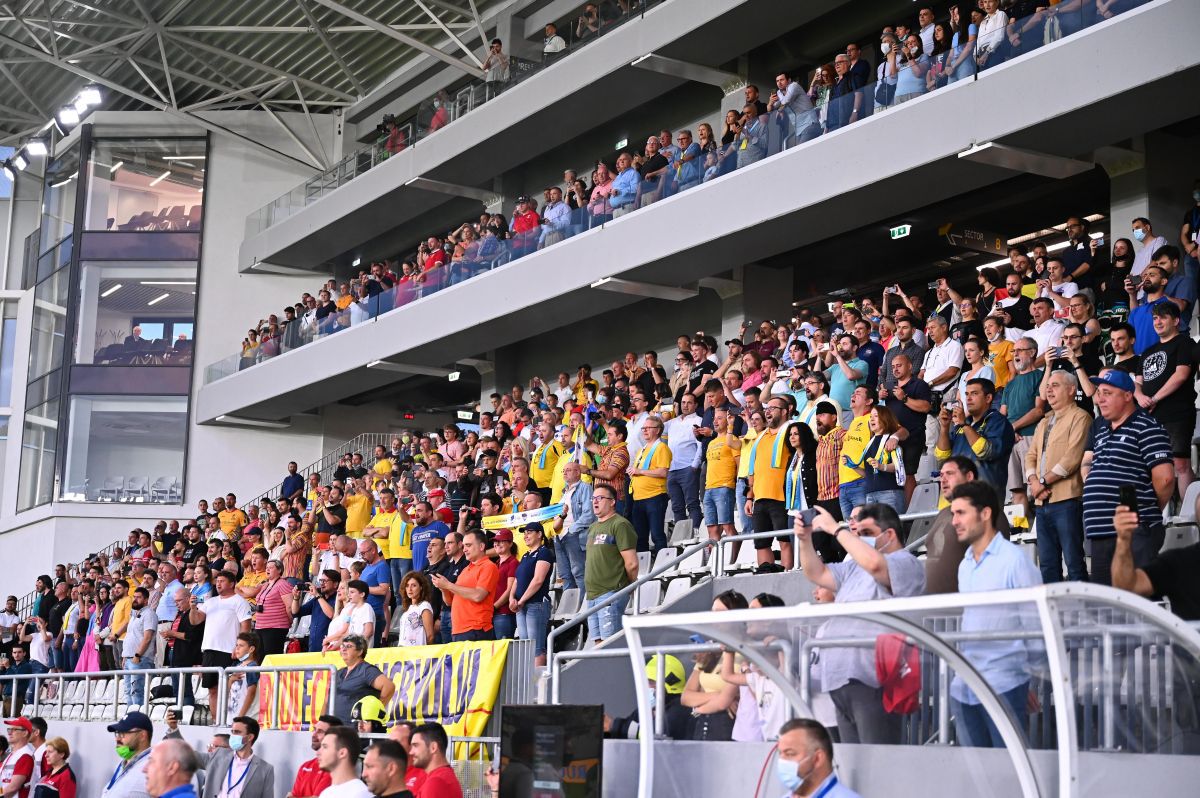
(325, 466)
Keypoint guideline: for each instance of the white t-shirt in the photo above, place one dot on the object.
(773, 709)
(358, 617)
(947, 354)
(350, 789)
(410, 627)
(8, 619)
(39, 648)
(222, 621)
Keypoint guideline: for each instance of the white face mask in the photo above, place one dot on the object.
(885, 47)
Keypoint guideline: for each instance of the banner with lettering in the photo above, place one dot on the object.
(520, 519)
(454, 684)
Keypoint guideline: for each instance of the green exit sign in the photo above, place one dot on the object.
(900, 231)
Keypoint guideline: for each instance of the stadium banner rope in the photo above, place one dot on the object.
(455, 684)
(515, 520)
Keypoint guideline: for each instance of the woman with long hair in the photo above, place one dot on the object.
(709, 697)
(414, 622)
(977, 367)
(884, 466)
(800, 479)
(202, 586)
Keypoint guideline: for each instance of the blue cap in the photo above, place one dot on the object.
(132, 722)
(1118, 379)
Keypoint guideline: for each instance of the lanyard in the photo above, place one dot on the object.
(119, 772)
(824, 790)
(230, 784)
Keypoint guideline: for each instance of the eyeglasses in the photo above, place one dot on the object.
(596, 498)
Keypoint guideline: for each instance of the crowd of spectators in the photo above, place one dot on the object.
(914, 58)
(1079, 415)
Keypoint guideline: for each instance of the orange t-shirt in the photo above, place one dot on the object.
(466, 616)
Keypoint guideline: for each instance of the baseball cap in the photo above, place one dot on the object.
(503, 536)
(489, 454)
(20, 723)
(133, 722)
(437, 492)
(826, 407)
(733, 341)
(522, 198)
(534, 526)
(1117, 379)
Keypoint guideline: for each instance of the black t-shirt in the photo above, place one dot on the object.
(1158, 365)
(1173, 574)
(57, 612)
(965, 330)
(1019, 313)
(193, 550)
(1131, 365)
(911, 420)
(700, 374)
(653, 164)
(435, 596)
(645, 381)
(323, 523)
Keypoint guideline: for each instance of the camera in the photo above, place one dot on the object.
(934, 285)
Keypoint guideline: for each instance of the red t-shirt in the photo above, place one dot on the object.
(310, 780)
(19, 763)
(440, 783)
(435, 259)
(507, 568)
(525, 222)
(63, 781)
(414, 777)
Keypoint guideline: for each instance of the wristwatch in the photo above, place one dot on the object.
(840, 528)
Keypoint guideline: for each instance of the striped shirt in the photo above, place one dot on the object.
(272, 598)
(829, 454)
(1124, 456)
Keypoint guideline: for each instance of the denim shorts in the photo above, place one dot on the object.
(718, 506)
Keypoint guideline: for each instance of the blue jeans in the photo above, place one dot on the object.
(444, 636)
(975, 727)
(892, 498)
(398, 567)
(1059, 538)
(649, 515)
(474, 635)
(504, 626)
(851, 495)
(739, 499)
(718, 506)
(135, 686)
(570, 548)
(608, 621)
(533, 623)
(683, 486)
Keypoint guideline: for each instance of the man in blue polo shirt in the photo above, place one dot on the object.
(1127, 449)
(1154, 287)
(427, 527)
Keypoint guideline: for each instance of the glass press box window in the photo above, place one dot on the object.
(136, 313)
(125, 449)
(49, 324)
(39, 442)
(146, 185)
(58, 198)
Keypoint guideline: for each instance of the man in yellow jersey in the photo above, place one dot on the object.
(851, 486)
(544, 459)
(720, 479)
(648, 475)
(769, 459)
(231, 518)
(391, 528)
(358, 503)
(383, 463)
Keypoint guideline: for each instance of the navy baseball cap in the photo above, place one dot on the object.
(1116, 378)
(133, 722)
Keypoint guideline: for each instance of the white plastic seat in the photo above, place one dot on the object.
(568, 604)
(649, 596)
(643, 558)
(682, 532)
(692, 564)
(158, 712)
(925, 468)
(924, 498)
(1187, 508)
(76, 712)
(1179, 537)
(187, 714)
(675, 589)
(664, 556)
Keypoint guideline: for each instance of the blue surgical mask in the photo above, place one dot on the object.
(653, 699)
(237, 742)
(1140, 234)
(788, 773)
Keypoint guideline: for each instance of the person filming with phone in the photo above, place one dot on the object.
(971, 428)
(876, 567)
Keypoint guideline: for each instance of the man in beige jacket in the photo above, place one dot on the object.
(1054, 482)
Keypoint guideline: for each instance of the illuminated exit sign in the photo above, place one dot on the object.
(900, 231)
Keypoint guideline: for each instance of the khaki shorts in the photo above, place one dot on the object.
(1016, 464)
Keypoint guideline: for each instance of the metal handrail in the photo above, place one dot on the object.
(588, 612)
(25, 603)
(120, 675)
(366, 441)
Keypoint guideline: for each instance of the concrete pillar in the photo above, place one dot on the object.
(1153, 179)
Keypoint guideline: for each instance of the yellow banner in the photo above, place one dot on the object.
(454, 684)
